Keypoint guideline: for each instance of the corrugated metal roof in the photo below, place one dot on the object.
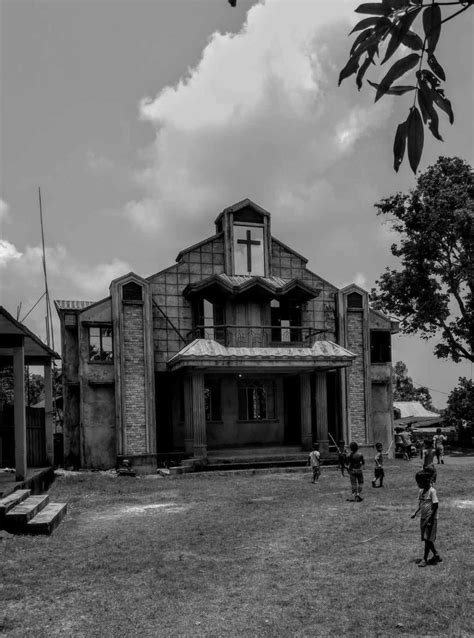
(413, 408)
(239, 280)
(207, 349)
(63, 304)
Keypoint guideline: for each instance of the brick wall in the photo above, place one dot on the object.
(357, 407)
(134, 379)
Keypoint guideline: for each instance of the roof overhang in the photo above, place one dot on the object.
(223, 286)
(14, 334)
(206, 354)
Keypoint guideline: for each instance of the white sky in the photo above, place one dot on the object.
(141, 121)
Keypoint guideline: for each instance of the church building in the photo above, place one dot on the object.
(236, 345)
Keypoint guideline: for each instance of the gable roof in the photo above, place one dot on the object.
(413, 408)
(11, 333)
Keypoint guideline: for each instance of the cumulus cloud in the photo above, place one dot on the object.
(259, 116)
(8, 252)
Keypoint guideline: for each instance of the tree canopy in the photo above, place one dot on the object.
(460, 404)
(432, 292)
(404, 388)
(391, 24)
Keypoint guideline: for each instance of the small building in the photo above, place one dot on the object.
(237, 344)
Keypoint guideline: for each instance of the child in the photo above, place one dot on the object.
(428, 506)
(438, 443)
(428, 460)
(378, 469)
(341, 456)
(355, 464)
(314, 460)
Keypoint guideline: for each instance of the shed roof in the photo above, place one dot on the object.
(13, 333)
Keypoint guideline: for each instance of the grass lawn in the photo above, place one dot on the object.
(263, 554)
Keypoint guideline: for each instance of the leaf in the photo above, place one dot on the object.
(399, 144)
(350, 68)
(373, 8)
(365, 35)
(436, 67)
(397, 70)
(443, 103)
(413, 41)
(394, 90)
(363, 24)
(415, 138)
(425, 100)
(399, 32)
(363, 68)
(432, 26)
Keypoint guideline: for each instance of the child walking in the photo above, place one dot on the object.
(355, 464)
(439, 440)
(314, 460)
(428, 508)
(428, 460)
(379, 473)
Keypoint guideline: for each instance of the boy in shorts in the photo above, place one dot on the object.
(428, 508)
(314, 460)
(378, 469)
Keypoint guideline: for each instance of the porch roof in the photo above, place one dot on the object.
(13, 334)
(206, 353)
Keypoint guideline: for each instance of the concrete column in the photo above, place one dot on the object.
(199, 415)
(305, 398)
(322, 411)
(188, 415)
(48, 413)
(19, 411)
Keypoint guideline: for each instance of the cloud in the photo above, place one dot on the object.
(23, 279)
(8, 253)
(4, 210)
(259, 116)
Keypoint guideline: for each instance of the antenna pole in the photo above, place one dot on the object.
(49, 326)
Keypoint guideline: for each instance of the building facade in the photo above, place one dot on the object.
(236, 344)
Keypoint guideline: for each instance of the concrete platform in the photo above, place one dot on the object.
(38, 479)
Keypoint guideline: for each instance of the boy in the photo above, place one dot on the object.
(355, 464)
(428, 460)
(314, 459)
(428, 506)
(378, 469)
(438, 443)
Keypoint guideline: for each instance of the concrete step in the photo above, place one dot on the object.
(47, 519)
(12, 500)
(19, 516)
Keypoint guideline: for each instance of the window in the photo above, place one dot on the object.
(256, 400)
(354, 300)
(212, 400)
(380, 346)
(132, 292)
(210, 318)
(100, 343)
(285, 321)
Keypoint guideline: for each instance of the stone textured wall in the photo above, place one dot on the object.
(355, 343)
(134, 382)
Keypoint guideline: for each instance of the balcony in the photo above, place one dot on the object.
(259, 336)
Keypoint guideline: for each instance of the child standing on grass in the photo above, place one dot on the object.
(439, 440)
(355, 464)
(341, 456)
(428, 460)
(378, 469)
(428, 508)
(314, 460)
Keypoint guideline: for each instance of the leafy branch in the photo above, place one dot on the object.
(389, 23)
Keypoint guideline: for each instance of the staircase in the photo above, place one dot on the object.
(21, 513)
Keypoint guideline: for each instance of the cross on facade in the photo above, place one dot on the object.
(249, 242)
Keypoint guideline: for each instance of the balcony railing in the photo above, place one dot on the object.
(258, 336)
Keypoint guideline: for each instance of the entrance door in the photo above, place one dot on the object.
(292, 408)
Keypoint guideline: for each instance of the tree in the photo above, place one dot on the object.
(390, 25)
(34, 385)
(404, 389)
(460, 404)
(433, 291)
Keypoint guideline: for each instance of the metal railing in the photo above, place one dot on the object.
(258, 336)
